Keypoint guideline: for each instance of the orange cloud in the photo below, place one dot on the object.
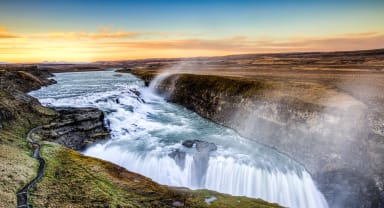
(81, 35)
(357, 41)
(103, 33)
(108, 45)
(247, 45)
(5, 34)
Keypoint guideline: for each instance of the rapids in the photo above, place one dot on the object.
(147, 134)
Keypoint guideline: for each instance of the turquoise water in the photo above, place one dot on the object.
(146, 129)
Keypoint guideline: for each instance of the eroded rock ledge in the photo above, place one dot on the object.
(75, 127)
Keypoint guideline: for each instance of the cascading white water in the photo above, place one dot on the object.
(146, 138)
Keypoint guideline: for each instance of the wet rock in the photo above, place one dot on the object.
(188, 143)
(201, 146)
(179, 157)
(136, 92)
(76, 127)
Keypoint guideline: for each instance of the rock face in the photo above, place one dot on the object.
(25, 79)
(201, 146)
(342, 147)
(13, 98)
(71, 127)
(76, 127)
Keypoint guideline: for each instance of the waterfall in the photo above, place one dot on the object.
(147, 138)
(225, 175)
(158, 80)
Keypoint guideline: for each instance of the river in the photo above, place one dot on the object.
(147, 134)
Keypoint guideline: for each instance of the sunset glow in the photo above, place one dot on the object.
(35, 31)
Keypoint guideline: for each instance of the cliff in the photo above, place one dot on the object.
(75, 128)
(338, 138)
(71, 179)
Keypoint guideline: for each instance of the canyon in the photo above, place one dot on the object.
(323, 110)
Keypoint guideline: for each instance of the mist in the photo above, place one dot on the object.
(329, 129)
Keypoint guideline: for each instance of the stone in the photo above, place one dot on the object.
(75, 128)
(188, 143)
(201, 146)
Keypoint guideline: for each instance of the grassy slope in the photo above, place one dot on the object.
(17, 167)
(74, 180)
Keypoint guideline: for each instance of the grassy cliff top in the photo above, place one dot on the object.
(330, 78)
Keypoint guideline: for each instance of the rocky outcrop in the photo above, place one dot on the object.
(71, 127)
(14, 101)
(25, 80)
(75, 127)
(201, 146)
(341, 145)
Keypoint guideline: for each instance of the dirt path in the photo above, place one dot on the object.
(22, 195)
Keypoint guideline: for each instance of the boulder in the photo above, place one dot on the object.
(201, 146)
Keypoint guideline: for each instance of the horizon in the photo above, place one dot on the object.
(186, 58)
(90, 31)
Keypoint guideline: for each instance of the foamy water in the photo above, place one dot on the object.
(145, 129)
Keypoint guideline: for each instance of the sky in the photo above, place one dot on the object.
(95, 30)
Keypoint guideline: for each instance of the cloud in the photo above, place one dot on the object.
(248, 45)
(88, 35)
(357, 41)
(102, 33)
(5, 34)
(118, 45)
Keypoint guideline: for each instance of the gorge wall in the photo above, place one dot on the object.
(338, 139)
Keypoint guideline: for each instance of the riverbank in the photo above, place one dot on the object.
(323, 110)
(72, 179)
